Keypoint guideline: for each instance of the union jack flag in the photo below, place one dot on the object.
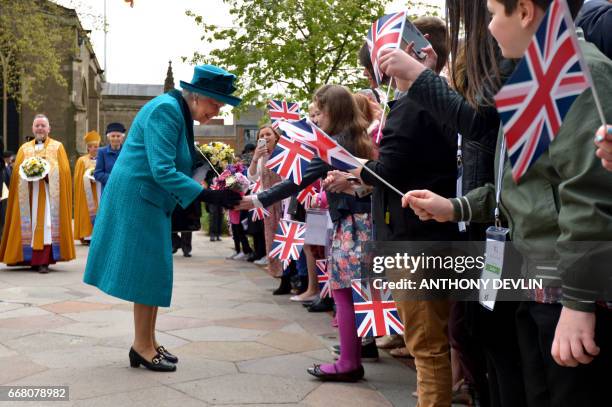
(385, 33)
(258, 213)
(375, 311)
(306, 196)
(288, 240)
(537, 97)
(323, 278)
(326, 147)
(256, 187)
(283, 110)
(290, 159)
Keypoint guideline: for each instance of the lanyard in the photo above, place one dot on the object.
(459, 188)
(499, 181)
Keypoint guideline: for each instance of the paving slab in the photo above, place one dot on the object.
(160, 396)
(218, 333)
(238, 345)
(248, 388)
(345, 395)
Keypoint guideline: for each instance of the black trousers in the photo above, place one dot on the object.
(240, 239)
(259, 241)
(469, 348)
(182, 241)
(498, 335)
(488, 351)
(548, 384)
(215, 219)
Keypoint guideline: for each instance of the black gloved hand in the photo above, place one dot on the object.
(225, 198)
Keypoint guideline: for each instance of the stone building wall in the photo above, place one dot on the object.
(72, 110)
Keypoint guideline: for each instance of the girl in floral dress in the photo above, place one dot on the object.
(340, 118)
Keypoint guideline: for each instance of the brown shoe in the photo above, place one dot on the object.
(390, 342)
(401, 353)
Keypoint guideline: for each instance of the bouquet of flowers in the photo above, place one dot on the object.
(89, 174)
(34, 169)
(218, 154)
(233, 179)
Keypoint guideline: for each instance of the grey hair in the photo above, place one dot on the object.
(41, 116)
(191, 95)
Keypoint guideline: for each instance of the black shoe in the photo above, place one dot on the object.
(186, 254)
(174, 250)
(167, 355)
(325, 304)
(158, 364)
(351, 377)
(252, 258)
(213, 238)
(44, 269)
(284, 287)
(34, 268)
(369, 351)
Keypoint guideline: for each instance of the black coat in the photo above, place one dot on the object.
(415, 152)
(478, 127)
(595, 19)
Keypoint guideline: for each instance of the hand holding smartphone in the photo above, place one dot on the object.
(412, 34)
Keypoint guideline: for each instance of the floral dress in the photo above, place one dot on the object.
(349, 232)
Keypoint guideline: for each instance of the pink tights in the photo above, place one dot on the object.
(350, 344)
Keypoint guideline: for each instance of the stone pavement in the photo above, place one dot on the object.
(238, 344)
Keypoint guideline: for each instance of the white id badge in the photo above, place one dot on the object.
(494, 262)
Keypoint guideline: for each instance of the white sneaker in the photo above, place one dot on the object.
(232, 257)
(241, 257)
(262, 262)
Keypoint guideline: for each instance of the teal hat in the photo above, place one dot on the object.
(214, 82)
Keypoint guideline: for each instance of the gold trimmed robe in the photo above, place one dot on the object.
(18, 238)
(85, 198)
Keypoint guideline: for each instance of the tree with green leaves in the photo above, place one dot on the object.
(288, 48)
(29, 52)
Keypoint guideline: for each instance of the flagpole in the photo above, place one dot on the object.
(105, 35)
(382, 118)
(206, 158)
(583, 64)
(365, 167)
(602, 117)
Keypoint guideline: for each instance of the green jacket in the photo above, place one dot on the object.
(566, 196)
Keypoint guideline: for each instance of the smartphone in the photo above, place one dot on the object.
(412, 34)
(261, 142)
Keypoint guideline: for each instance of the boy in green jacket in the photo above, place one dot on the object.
(564, 198)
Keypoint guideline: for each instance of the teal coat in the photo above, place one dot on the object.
(130, 256)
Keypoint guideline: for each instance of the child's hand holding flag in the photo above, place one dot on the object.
(603, 141)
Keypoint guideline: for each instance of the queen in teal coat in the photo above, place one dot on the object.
(130, 256)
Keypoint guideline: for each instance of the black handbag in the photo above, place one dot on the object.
(188, 219)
